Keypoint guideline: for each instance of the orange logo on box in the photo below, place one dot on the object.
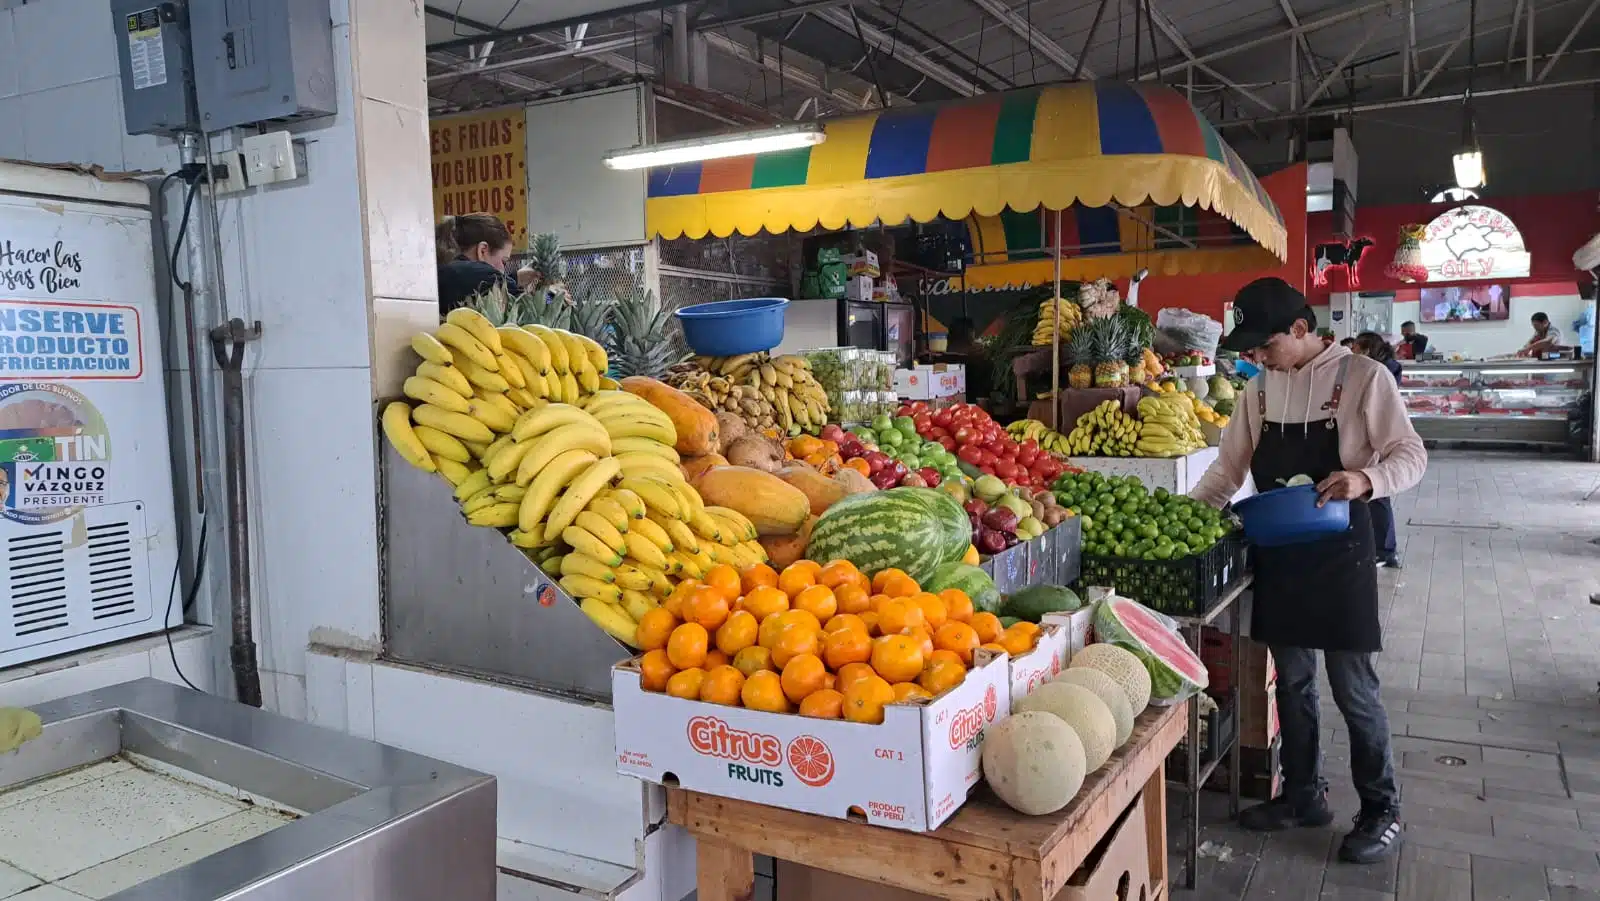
(811, 760)
(715, 738)
(967, 726)
(546, 595)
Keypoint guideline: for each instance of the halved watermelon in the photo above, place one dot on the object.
(1176, 672)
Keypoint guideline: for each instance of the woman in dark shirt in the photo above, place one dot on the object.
(474, 250)
(1373, 346)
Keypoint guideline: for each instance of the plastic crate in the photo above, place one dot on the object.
(1219, 728)
(1187, 587)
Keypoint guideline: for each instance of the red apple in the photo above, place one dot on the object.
(832, 432)
(930, 476)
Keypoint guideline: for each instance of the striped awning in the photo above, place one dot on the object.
(1109, 146)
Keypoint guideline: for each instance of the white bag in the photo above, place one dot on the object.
(1179, 330)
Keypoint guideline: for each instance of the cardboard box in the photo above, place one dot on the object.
(912, 771)
(1047, 659)
(863, 263)
(927, 382)
(1079, 626)
(1261, 773)
(1258, 717)
(858, 287)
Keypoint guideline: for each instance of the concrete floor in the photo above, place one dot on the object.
(1492, 657)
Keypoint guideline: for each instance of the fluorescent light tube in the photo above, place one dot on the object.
(715, 147)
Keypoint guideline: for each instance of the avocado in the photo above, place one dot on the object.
(1034, 602)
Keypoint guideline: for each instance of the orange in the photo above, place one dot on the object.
(852, 599)
(795, 642)
(899, 615)
(851, 673)
(756, 577)
(845, 621)
(686, 683)
(987, 625)
(959, 604)
(715, 658)
(1025, 626)
(882, 577)
(802, 675)
(763, 690)
(725, 579)
(707, 606)
(846, 646)
(864, 700)
(909, 691)
(654, 670)
(897, 658)
(752, 659)
(674, 601)
(943, 654)
(811, 565)
(773, 626)
(764, 601)
(653, 629)
(738, 633)
(869, 618)
(971, 557)
(901, 586)
(991, 646)
(686, 646)
(1016, 642)
(722, 685)
(830, 681)
(825, 704)
(934, 609)
(795, 579)
(942, 675)
(840, 573)
(876, 601)
(958, 637)
(818, 600)
(924, 640)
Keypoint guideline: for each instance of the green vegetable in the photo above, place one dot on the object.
(1033, 602)
(970, 579)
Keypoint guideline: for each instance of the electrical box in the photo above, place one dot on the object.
(257, 61)
(157, 71)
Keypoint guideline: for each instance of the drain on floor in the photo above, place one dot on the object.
(1450, 760)
(1475, 525)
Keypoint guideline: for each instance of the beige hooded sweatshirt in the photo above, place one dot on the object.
(1375, 434)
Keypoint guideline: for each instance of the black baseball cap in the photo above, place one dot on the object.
(1263, 308)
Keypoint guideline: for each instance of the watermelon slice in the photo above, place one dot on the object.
(1176, 672)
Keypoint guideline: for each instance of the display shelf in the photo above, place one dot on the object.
(1525, 402)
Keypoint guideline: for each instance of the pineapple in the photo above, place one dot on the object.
(497, 305)
(1079, 348)
(591, 315)
(545, 258)
(1135, 360)
(640, 344)
(1110, 342)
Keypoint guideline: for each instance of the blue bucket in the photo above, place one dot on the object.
(728, 328)
(1285, 516)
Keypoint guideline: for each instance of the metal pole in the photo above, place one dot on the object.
(1055, 331)
(680, 43)
(227, 345)
(1351, 109)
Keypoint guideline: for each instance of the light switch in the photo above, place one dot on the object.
(269, 158)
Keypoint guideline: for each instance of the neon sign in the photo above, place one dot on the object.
(1473, 243)
(1344, 255)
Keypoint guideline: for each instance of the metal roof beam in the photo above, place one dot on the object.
(619, 12)
(1443, 58)
(899, 52)
(1334, 72)
(1036, 39)
(1309, 58)
(797, 77)
(799, 9)
(1305, 28)
(1567, 41)
(1176, 38)
(597, 50)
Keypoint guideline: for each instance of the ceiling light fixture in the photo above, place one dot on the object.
(716, 147)
(1468, 163)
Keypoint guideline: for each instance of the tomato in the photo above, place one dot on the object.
(1006, 470)
(986, 458)
(946, 442)
(993, 446)
(1032, 445)
(1027, 457)
(935, 433)
(923, 422)
(964, 435)
(942, 419)
(986, 470)
(970, 454)
(920, 406)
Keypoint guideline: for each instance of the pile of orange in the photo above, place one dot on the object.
(821, 640)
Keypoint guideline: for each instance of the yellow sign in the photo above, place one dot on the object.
(480, 166)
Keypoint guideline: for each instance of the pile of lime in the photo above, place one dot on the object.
(1122, 519)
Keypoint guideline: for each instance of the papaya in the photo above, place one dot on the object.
(693, 466)
(822, 491)
(696, 425)
(773, 505)
(783, 550)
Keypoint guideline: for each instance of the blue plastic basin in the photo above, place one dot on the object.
(1285, 516)
(728, 328)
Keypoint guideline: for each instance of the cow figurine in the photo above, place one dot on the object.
(1340, 253)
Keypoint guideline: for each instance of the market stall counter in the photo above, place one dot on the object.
(1178, 475)
(986, 851)
(1507, 401)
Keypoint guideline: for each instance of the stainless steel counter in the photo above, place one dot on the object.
(379, 824)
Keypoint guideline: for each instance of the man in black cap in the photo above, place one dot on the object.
(1320, 411)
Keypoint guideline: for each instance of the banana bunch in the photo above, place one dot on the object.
(1169, 427)
(1034, 430)
(765, 391)
(1055, 315)
(1105, 431)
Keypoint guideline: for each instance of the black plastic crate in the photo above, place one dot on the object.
(1219, 730)
(1187, 587)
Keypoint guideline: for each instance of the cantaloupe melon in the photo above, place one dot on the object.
(1126, 669)
(1079, 708)
(1034, 762)
(1108, 691)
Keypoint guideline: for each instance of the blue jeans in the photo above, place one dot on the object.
(1355, 690)
(1383, 536)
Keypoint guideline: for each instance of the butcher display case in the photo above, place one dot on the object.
(1510, 401)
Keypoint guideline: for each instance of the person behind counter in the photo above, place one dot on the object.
(1372, 346)
(1413, 344)
(963, 349)
(473, 252)
(1322, 412)
(1546, 337)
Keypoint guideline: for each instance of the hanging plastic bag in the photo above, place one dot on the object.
(1176, 671)
(1179, 330)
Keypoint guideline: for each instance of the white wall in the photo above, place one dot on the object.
(1476, 340)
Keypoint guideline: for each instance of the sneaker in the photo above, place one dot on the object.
(1389, 561)
(1374, 836)
(1281, 813)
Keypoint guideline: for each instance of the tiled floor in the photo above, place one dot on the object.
(93, 832)
(1492, 656)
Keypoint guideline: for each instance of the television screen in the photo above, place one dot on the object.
(1467, 303)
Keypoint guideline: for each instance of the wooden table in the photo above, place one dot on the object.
(986, 852)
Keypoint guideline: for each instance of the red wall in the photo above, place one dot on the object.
(1552, 226)
(1207, 293)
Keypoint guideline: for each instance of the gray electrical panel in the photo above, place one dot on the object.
(157, 72)
(262, 61)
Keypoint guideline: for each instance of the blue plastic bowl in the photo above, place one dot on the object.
(1285, 516)
(728, 328)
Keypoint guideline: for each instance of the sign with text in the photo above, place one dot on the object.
(1473, 243)
(43, 339)
(480, 166)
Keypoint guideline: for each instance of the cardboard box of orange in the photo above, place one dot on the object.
(912, 771)
(1060, 636)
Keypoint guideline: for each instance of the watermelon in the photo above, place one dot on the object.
(1176, 672)
(1033, 602)
(970, 579)
(911, 529)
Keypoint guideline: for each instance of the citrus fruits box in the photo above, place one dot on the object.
(1060, 636)
(912, 771)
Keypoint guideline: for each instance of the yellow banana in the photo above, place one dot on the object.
(586, 542)
(660, 585)
(472, 484)
(627, 576)
(611, 511)
(594, 523)
(431, 349)
(660, 433)
(524, 399)
(678, 532)
(510, 492)
(494, 449)
(656, 496)
(742, 558)
(478, 501)
(578, 495)
(461, 425)
(588, 378)
(441, 445)
(607, 397)
(397, 428)
(541, 494)
(578, 563)
(477, 325)
(609, 384)
(687, 564)
(504, 463)
(706, 527)
(547, 446)
(743, 522)
(491, 415)
(536, 385)
(636, 444)
(687, 496)
(720, 554)
(625, 412)
(653, 533)
(527, 540)
(537, 422)
(551, 566)
(483, 378)
(453, 472)
(586, 587)
(497, 516)
(756, 551)
(552, 385)
(527, 345)
(499, 402)
(558, 349)
(630, 502)
(611, 619)
(732, 532)
(642, 464)
(577, 356)
(470, 348)
(636, 603)
(446, 375)
(569, 388)
(509, 371)
(640, 548)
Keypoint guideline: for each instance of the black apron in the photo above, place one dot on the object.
(1322, 594)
